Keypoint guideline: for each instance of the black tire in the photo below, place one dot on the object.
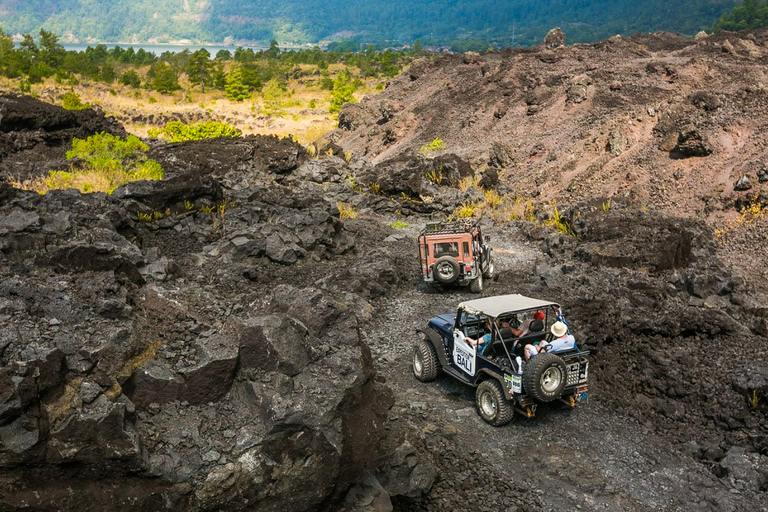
(446, 269)
(544, 377)
(425, 363)
(490, 271)
(476, 286)
(491, 404)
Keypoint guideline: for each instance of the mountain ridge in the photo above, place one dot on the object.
(500, 22)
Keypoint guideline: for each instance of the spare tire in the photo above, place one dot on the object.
(446, 269)
(544, 377)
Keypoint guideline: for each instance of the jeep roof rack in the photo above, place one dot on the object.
(447, 228)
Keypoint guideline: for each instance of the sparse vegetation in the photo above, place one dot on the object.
(71, 101)
(469, 182)
(436, 145)
(751, 212)
(753, 399)
(176, 131)
(107, 163)
(398, 224)
(435, 176)
(558, 222)
(346, 211)
(467, 210)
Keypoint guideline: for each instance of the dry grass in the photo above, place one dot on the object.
(130, 366)
(298, 120)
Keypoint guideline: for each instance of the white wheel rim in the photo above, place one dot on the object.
(550, 379)
(445, 270)
(417, 365)
(487, 404)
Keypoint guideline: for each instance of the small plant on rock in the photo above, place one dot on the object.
(607, 205)
(108, 162)
(469, 182)
(467, 210)
(436, 145)
(435, 176)
(753, 399)
(492, 199)
(559, 223)
(346, 211)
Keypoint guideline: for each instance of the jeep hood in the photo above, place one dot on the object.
(443, 323)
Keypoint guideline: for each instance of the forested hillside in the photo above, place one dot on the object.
(501, 22)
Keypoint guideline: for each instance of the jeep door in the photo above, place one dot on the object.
(464, 355)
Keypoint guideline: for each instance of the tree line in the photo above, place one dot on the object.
(238, 73)
(750, 14)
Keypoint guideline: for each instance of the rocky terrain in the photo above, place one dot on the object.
(248, 349)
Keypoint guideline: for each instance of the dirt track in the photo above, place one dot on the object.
(594, 457)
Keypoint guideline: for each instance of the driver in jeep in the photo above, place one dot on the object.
(483, 341)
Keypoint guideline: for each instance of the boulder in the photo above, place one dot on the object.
(742, 184)
(274, 343)
(102, 433)
(294, 471)
(321, 170)
(555, 38)
(744, 471)
(500, 155)
(691, 142)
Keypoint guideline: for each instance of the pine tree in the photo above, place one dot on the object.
(235, 90)
(164, 79)
(107, 73)
(199, 68)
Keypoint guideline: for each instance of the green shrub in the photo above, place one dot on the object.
(435, 145)
(176, 131)
(343, 89)
(71, 101)
(109, 162)
(130, 78)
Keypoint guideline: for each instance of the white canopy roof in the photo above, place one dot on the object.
(495, 306)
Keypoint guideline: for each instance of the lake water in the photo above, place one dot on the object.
(158, 49)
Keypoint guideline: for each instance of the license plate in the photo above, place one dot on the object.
(514, 383)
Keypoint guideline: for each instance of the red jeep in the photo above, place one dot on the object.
(455, 252)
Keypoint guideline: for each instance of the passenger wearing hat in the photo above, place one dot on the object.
(563, 341)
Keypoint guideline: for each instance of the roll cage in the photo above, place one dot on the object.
(503, 341)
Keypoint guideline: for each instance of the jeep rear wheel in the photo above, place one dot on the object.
(476, 286)
(544, 377)
(424, 361)
(446, 269)
(491, 404)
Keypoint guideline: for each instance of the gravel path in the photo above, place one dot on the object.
(588, 458)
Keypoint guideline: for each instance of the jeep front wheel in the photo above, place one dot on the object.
(424, 361)
(491, 404)
(544, 377)
(446, 269)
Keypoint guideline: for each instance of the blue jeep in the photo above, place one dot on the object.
(505, 384)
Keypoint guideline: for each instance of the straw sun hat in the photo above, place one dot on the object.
(559, 329)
